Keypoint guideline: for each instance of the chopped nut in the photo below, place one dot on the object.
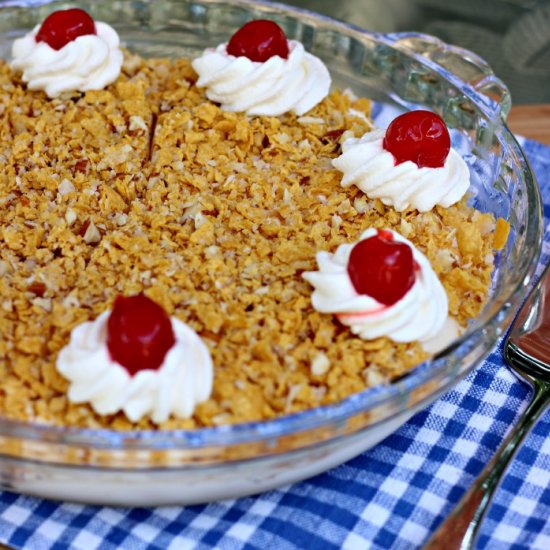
(137, 123)
(70, 216)
(84, 227)
(121, 219)
(373, 375)
(92, 234)
(310, 120)
(320, 364)
(81, 165)
(66, 187)
(44, 303)
(37, 287)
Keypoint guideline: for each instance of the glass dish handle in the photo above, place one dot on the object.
(466, 69)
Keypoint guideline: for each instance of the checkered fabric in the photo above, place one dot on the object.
(392, 496)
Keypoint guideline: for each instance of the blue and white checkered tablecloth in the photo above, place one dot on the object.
(392, 496)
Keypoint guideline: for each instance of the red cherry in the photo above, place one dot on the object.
(419, 136)
(259, 40)
(62, 27)
(139, 333)
(382, 268)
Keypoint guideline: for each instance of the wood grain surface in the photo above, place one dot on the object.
(532, 121)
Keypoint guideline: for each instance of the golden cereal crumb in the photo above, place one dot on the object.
(502, 230)
(148, 186)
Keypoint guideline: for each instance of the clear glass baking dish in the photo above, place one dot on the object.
(404, 70)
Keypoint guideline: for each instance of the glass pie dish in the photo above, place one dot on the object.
(400, 70)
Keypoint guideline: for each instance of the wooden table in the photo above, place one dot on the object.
(532, 121)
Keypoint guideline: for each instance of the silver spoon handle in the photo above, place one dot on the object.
(459, 530)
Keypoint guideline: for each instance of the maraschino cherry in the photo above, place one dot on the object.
(419, 136)
(259, 40)
(64, 26)
(139, 333)
(382, 268)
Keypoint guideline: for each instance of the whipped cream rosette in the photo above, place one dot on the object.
(140, 387)
(408, 174)
(88, 61)
(410, 302)
(288, 80)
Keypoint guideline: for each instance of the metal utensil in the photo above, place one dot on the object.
(527, 351)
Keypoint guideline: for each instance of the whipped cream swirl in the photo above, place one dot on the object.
(366, 164)
(419, 315)
(89, 62)
(271, 88)
(183, 380)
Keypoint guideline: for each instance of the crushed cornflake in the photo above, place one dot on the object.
(502, 230)
(214, 215)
